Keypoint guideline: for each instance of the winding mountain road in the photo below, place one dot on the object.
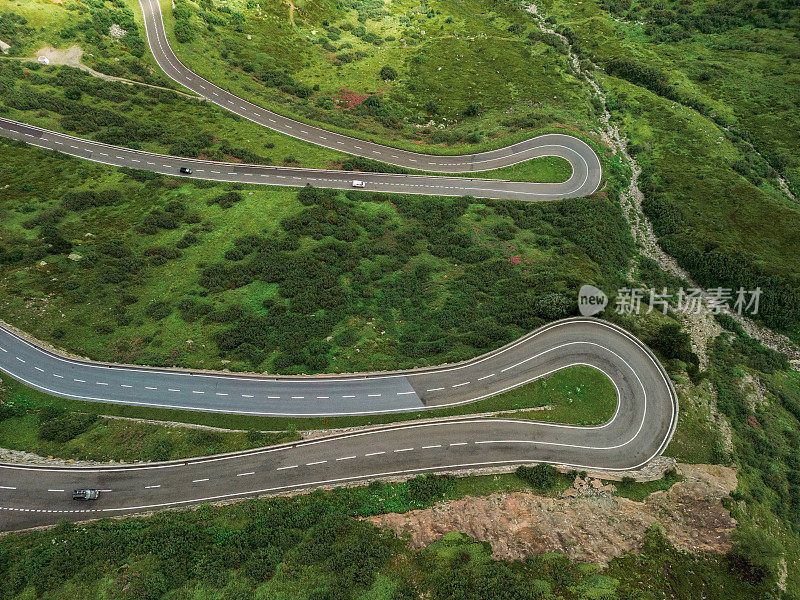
(586, 167)
(640, 429)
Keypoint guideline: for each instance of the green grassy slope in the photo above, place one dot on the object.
(205, 275)
(46, 425)
(462, 76)
(704, 94)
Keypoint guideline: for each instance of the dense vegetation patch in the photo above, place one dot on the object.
(700, 89)
(311, 547)
(171, 272)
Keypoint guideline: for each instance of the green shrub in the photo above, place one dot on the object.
(64, 428)
(427, 488)
(388, 73)
(541, 477)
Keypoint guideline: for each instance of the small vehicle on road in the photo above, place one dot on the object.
(186, 170)
(85, 494)
(358, 183)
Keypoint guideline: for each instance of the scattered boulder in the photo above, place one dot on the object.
(116, 31)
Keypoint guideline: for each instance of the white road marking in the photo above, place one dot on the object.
(374, 453)
(434, 389)
(318, 462)
(152, 487)
(199, 480)
(246, 474)
(459, 444)
(429, 447)
(7, 487)
(347, 458)
(404, 450)
(460, 384)
(54, 490)
(485, 377)
(284, 468)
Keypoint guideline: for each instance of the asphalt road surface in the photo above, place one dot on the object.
(640, 429)
(584, 180)
(586, 167)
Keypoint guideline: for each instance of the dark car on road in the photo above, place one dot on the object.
(186, 170)
(85, 494)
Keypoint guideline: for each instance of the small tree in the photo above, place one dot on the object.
(756, 556)
(388, 73)
(540, 477)
(472, 110)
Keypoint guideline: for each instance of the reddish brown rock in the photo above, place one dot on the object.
(593, 526)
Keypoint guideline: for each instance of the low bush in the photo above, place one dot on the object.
(541, 477)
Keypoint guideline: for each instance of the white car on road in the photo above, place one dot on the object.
(358, 183)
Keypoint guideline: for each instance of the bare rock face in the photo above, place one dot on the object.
(588, 524)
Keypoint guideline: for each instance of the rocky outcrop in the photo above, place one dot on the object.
(591, 525)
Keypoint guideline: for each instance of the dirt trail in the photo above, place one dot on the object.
(595, 526)
(71, 57)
